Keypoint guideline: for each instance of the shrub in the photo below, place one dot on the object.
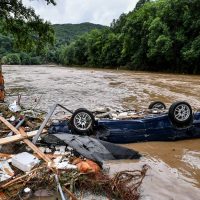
(11, 59)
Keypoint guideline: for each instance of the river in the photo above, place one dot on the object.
(174, 166)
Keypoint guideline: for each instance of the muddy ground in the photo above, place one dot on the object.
(175, 166)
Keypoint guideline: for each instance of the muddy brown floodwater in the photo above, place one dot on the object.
(174, 166)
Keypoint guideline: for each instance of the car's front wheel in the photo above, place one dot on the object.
(180, 114)
(82, 121)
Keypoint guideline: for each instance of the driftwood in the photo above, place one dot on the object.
(20, 178)
(72, 196)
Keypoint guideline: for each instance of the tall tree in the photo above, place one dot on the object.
(28, 29)
(140, 3)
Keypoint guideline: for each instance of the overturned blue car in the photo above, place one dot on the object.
(179, 122)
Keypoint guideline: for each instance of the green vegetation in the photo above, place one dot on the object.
(161, 35)
(65, 33)
(29, 32)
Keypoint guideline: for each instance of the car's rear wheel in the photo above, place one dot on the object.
(82, 121)
(157, 105)
(180, 114)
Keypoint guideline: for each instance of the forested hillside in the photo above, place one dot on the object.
(64, 34)
(162, 35)
(67, 32)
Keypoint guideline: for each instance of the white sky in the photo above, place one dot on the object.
(78, 11)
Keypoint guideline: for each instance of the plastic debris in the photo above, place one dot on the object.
(24, 161)
(5, 171)
(63, 163)
(48, 150)
(86, 166)
(12, 119)
(14, 107)
(26, 190)
(26, 193)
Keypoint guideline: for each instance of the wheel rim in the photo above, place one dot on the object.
(82, 121)
(158, 106)
(182, 112)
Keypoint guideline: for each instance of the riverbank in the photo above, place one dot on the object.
(119, 68)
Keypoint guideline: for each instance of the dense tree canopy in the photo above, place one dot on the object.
(64, 34)
(140, 3)
(162, 35)
(28, 30)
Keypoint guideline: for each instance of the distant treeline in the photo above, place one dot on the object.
(161, 35)
(64, 34)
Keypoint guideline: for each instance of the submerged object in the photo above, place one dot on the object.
(179, 122)
(91, 148)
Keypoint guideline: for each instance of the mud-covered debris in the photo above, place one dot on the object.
(31, 168)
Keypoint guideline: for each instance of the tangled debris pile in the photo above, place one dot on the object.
(51, 165)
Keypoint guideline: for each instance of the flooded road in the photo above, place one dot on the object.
(174, 166)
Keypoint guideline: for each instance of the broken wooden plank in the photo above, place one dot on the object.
(5, 155)
(51, 156)
(9, 125)
(34, 148)
(28, 142)
(16, 138)
(28, 123)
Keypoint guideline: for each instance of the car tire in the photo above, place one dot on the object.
(157, 105)
(180, 114)
(82, 121)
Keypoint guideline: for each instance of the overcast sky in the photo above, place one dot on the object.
(78, 11)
